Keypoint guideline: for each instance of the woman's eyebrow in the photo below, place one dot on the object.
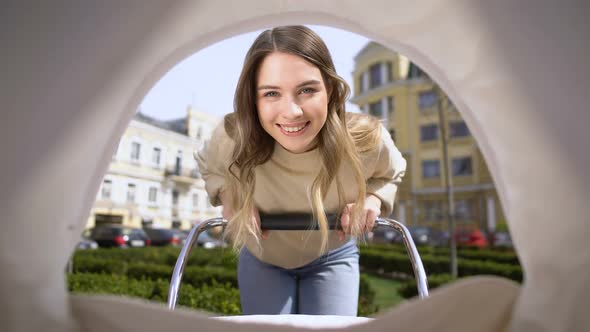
(273, 87)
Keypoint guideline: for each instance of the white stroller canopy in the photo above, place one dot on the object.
(73, 74)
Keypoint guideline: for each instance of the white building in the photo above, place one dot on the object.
(154, 178)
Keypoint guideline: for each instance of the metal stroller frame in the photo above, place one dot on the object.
(292, 222)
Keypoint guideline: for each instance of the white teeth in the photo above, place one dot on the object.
(292, 129)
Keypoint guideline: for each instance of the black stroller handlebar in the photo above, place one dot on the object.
(293, 221)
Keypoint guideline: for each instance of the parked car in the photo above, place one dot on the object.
(86, 243)
(165, 236)
(502, 239)
(119, 236)
(426, 235)
(383, 235)
(471, 238)
(422, 235)
(207, 241)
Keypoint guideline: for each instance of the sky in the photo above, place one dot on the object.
(207, 79)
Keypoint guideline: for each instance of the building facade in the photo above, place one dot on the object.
(390, 87)
(153, 179)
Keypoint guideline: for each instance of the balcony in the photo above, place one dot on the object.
(182, 176)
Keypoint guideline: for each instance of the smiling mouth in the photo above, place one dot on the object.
(294, 129)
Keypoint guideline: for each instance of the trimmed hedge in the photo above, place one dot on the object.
(114, 272)
(410, 289)
(375, 260)
(366, 306)
(193, 275)
(219, 298)
(220, 257)
(502, 256)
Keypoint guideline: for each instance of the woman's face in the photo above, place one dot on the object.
(292, 101)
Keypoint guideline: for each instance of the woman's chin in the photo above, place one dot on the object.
(296, 148)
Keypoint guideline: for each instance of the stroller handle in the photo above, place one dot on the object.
(295, 222)
(292, 221)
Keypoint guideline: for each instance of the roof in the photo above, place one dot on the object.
(175, 125)
(367, 48)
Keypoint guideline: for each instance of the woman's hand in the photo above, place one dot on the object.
(369, 214)
(228, 213)
(263, 234)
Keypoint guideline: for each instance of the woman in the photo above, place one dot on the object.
(289, 146)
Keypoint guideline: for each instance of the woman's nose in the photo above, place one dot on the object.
(292, 110)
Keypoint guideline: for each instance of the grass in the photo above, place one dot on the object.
(386, 295)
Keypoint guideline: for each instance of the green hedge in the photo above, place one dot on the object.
(409, 289)
(193, 275)
(502, 256)
(366, 306)
(219, 298)
(220, 257)
(146, 273)
(132, 274)
(375, 260)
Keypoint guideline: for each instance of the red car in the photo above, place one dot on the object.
(471, 238)
(119, 236)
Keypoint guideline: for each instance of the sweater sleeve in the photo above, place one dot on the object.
(213, 160)
(387, 175)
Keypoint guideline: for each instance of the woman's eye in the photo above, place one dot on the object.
(308, 90)
(271, 94)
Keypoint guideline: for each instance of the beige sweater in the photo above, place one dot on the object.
(282, 186)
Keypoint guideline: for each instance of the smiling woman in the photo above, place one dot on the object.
(288, 147)
(280, 106)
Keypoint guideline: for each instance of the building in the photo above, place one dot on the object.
(389, 86)
(153, 178)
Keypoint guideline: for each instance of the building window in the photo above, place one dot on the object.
(178, 164)
(147, 222)
(389, 71)
(131, 192)
(415, 71)
(362, 86)
(390, 104)
(195, 200)
(376, 109)
(153, 194)
(462, 166)
(428, 132)
(156, 156)
(135, 150)
(428, 99)
(433, 210)
(458, 129)
(175, 195)
(361, 83)
(464, 209)
(375, 75)
(431, 168)
(106, 189)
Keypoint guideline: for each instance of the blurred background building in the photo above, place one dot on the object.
(390, 87)
(153, 179)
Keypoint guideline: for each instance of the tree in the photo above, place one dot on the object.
(442, 105)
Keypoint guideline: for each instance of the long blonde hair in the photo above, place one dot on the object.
(342, 137)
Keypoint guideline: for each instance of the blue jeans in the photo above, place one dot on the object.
(327, 286)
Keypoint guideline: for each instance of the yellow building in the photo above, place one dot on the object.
(390, 87)
(153, 178)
